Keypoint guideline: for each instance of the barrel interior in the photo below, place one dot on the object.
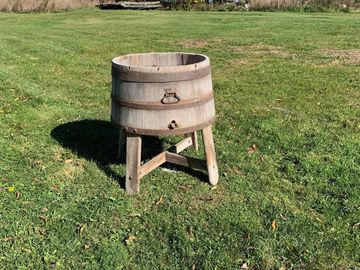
(159, 59)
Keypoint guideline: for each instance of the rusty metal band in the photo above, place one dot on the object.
(159, 77)
(163, 132)
(160, 106)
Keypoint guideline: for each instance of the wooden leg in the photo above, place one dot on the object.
(210, 155)
(122, 140)
(193, 136)
(195, 141)
(133, 163)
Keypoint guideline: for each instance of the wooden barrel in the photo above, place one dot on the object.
(162, 93)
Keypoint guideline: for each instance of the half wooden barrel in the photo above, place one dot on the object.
(162, 93)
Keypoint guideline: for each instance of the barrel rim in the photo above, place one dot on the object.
(162, 69)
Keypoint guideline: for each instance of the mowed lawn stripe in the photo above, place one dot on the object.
(287, 89)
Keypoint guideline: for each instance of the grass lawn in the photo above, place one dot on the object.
(288, 83)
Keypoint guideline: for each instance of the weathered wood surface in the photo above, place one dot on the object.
(162, 93)
(210, 155)
(153, 164)
(133, 162)
(135, 171)
(181, 146)
(194, 140)
(130, 5)
(186, 161)
(121, 143)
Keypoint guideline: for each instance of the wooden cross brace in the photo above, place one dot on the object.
(135, 171)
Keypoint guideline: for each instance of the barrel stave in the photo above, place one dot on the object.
(162, 104)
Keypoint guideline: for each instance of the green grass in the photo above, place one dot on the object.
(287, 82)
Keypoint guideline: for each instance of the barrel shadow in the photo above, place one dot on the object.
(97, 141)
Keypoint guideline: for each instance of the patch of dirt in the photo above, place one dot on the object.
(350, 57)
(70, 170)
(261, 49)
(193, 43)
(239, 62)
(333, 63)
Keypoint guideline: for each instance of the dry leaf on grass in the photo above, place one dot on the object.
(43, 218)
(82, 229)
(244, 266)
(68, 161)
(160, 201)
(38, 164)
(252, 149)
(274, 225)
(318, 219)
(130, 239)
(356, 224)
(8, 238)
(54, 187)
(190, 234)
